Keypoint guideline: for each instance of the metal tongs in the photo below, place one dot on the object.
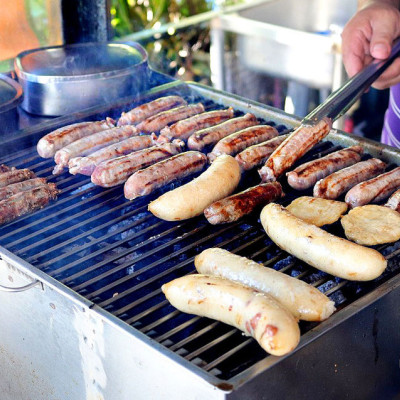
(343, 98)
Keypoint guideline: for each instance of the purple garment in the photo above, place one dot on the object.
(391, 127)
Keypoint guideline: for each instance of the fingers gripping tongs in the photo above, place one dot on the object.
(344, 97)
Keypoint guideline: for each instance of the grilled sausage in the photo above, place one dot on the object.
(56, 140)
(256, 314)
(14, 188)
(26, 202)
(394, 201)
(15, 175)
(156, 122)
(147, 180)
(86, 165)
(236, 206)
(341, 181)
(301, 299)
(190, 200)
(140, 113)
(238, 141)
(306, 175)
(374, 190)
(322, 250)
(116, 171)
(186, 127)
(212, 135)
(259, 153)
(90, 144)
(294, 147)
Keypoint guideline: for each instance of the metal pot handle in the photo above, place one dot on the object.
(20, 288)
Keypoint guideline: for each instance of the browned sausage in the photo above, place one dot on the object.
(374, 190)
(86, 165)
(116, 171)
(258, 154)
(147, 180)
(212, 135)
(140, 113)
(90, 144)
(15, 175)
(186, 127)
(238, 141)
(294, 147)
(394, 201)
(56, 140)
(306, 175)
(234, 207)
(14, 188)
(26, 202)
(341, 181)
(156, 122)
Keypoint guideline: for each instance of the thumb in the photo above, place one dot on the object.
(381, 44)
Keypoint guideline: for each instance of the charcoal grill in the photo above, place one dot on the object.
(95, 324)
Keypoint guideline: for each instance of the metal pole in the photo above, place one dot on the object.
(86, 21)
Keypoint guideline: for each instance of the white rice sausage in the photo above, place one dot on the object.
(190, 200)
(301, 299)
(322, 250)
(256, 314)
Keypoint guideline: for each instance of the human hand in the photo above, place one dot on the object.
(368, 35)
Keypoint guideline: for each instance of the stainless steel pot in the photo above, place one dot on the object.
(64, 79)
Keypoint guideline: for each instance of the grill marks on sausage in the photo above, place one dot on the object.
(306, 175)
(374, 190)
(293, 148)
(212, 135)
(186, 127)
(114, 172)
(26, 202)
(145, 181)
(156, 122)
(56, 140)
(149, 109)
(15, 175)
(341, 181)
(257, 154)
(236, 206)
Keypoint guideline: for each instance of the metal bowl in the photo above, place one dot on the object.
(64, 79)
(10, 98)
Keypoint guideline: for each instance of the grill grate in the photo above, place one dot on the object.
(116, 254)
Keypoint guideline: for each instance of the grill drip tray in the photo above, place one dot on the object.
(116, 255)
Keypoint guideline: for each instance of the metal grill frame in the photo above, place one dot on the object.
(248, 378)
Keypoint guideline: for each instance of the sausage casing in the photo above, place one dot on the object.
(146, 180)
(256, 314)
(294, 147)
(15, 175)
(116, 171)
(341, 181)
(236, 206)
(257, 154)
(306, 175)
(190, 200)
(56, 140)
(394, 201)
(301, 299)
(14, 188)
(322, 250)
(213, 134)
(238, 141)
(186, 127)
(374, 190)
(86, 165)
(146, 110)
(156, 122)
